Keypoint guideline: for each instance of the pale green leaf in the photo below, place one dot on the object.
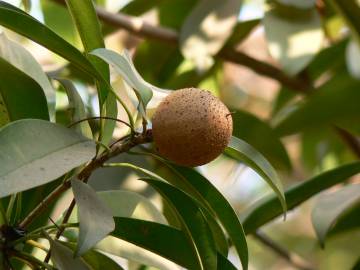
(293, 42)
(23, 60)
(245, 153)
(63, 257)
(123, 64)
(96, 220)
(353, 58)
(331, 206)
(49, 151)
(132, 205)
(206, 30)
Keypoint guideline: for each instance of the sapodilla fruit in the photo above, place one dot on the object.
(191, 127)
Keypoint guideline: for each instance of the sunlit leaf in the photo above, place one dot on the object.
(243, 152)
(19, 57)
(269, 208)
(331, 206)
(49, 151)
(353, 59)
(132, 205)
(96, 220)
(293, 42)
(15, 19)
(206, 30)
(123, 64)
(350, 10)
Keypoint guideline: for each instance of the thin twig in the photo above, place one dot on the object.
(100, 117)
(291, 258)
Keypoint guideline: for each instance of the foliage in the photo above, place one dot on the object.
(53, 136)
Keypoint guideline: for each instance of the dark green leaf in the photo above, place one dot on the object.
(49, 151)
(330, 207)
(335, 101)
(139, 7)
(270, 208)
(86, 21)
(163, 240)
(241, 32)
(221, 207)
(76, 108)
(243, 152)
(251, 129)
(23, 60)
(96, 220)
(20, 96)
(193, 222)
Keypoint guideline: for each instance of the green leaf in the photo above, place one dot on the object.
(123, 64)
(95, 260)
(139, 7)
(15, 19)
(304, 4)
(243, 152)
(63, 257)
(339, 92)
(96, 220)
(331, 206)
(350, 10)
(270, 208)
(353, 58)
(193, 222)
(293, 41)
(132, 205)
(20, 96)
(163, 240)
(86, 21)
(76, 108)
(218, 203)
(58, 19)
(241, 32)
(206, 30)
(20, 58)
(180, 182)
(251, 129)
(49, 151)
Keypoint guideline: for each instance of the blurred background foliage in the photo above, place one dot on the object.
(288, 69)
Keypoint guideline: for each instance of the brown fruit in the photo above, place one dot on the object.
(191, 127)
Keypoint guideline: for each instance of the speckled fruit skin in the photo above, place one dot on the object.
(191, 127)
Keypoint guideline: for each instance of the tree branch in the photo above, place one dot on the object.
(85, 173)
(140, 28)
